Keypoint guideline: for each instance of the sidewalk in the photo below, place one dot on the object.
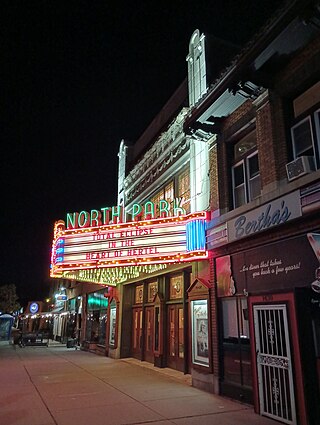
(53, 343)
(60, 386)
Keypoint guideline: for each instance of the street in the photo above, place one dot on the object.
(60, 386)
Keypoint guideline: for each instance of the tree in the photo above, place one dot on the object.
(8, 299)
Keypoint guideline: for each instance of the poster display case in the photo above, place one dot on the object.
(198, 294)
(199, 331)
(112, 324)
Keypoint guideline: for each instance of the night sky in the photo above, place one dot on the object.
(77, 77)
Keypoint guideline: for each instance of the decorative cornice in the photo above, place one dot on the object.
(168, 147)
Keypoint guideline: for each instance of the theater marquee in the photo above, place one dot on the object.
(158, 241)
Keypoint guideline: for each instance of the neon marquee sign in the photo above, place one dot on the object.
(116, 214)
(158, 241)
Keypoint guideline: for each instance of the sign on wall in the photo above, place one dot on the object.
(281, 265)
(164, 240)
(273, 214)
(34, 308)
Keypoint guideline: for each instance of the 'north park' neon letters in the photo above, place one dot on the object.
(115, 214)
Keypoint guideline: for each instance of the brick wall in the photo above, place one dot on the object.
(213, 176)
(236, 118)
(214, 321)
(223, 175)
(280, 146)
(271, 140)
(232, 124)
(301, 69)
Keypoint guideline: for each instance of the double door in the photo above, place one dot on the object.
(143, 331)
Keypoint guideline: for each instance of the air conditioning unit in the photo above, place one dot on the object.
(299, 167)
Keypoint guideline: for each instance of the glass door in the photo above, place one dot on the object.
(175, 340)
(149, 332)
(137, 333)
(236, 380)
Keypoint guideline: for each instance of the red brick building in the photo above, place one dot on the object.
(264, 235)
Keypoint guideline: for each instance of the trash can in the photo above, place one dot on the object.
(16, 335)
(70, 343)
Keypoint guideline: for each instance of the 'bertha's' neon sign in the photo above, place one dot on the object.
(163, 240)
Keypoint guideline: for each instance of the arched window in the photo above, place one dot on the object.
(196, 68)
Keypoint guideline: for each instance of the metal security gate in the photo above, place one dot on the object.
(276, 390)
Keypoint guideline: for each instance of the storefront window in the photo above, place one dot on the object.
(72, 304)
(71, 325)
(102, 327)
(71, 319)
(236, 342)
(92, 326)
(96, 317)
(230, 322)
